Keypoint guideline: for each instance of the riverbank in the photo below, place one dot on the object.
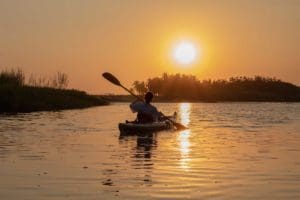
(28, 99)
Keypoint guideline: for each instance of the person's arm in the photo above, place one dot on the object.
(156, 114)
(136, 106)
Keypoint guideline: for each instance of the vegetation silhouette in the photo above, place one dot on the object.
(40, 94)
(180, 87)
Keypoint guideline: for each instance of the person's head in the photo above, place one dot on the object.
(148, 97)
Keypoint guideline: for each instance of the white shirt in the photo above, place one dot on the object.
(142, 107)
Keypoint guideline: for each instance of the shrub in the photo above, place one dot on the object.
(12, 77)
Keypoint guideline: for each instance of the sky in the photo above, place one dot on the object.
(134, 39)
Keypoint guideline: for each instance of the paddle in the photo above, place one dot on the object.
(111, 78)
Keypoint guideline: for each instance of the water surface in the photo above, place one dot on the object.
(231, 151)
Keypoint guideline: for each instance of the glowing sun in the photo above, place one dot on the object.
(185, 53)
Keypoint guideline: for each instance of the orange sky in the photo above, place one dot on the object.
(133, 39)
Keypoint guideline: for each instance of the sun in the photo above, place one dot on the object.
(185, 53)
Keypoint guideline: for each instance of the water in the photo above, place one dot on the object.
(231, 151)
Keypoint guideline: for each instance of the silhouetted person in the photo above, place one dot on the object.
(147, 113)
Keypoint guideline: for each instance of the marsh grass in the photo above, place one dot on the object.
(13, 77)
(16, 96)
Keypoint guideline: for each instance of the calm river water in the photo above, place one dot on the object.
(231, 151)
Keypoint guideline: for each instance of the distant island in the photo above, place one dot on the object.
(40, 94)
(179, 88)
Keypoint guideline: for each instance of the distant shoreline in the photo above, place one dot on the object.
(23, 99)
(181, 87)
(129, 98)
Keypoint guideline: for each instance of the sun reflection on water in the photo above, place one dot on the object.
(183, 137)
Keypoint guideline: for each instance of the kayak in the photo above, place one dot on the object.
(149, 127)
(132, 128)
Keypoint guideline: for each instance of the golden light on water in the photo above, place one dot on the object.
(183, 137)
(185, 109)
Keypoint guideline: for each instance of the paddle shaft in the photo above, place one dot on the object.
(139, 98)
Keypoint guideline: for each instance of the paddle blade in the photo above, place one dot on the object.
(111, 78)
(179, 126)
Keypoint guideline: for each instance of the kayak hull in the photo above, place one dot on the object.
(144, 128)
(136, 128)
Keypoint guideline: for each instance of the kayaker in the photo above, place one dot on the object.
(147, 113)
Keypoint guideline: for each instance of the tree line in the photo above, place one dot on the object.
(241, 88)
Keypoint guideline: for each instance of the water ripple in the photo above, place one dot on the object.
(230, 150)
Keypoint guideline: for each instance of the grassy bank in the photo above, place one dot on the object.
(28, 99)
(40, 93)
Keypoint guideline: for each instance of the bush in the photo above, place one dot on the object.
(14, 77)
